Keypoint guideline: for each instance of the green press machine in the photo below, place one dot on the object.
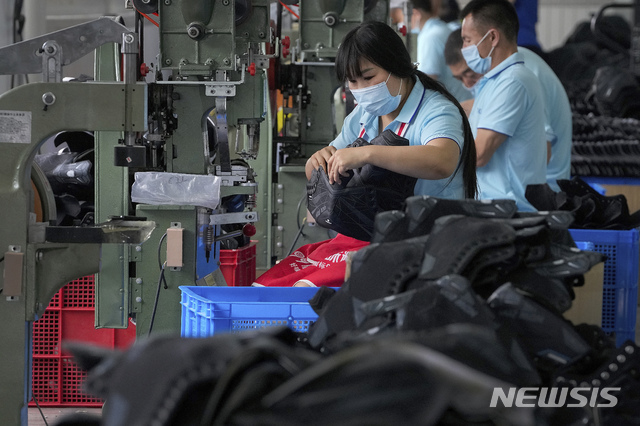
(207, 111)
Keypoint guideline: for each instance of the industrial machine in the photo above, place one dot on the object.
(313, 108)
(204, 112)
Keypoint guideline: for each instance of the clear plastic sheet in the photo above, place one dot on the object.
(176, 189)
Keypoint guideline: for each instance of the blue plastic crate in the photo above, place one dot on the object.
(210, 310)
(620, 282)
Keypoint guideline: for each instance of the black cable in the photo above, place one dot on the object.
(295, 240)
(160, 261)
(44, 419)
(159, 248)
(155, 303)
(304, 197)
(300, 225)
(161, 280)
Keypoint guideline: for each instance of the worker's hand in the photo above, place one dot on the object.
(344, 160)
(319, 159)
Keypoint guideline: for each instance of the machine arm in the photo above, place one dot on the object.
(75, 42)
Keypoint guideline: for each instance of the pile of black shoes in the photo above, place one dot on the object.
(510, 275)
(591, 209)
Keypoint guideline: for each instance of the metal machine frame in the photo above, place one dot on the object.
(206, 112)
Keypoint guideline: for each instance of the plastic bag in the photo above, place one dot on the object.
(176, 189)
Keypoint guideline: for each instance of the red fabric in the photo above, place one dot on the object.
(319, 264)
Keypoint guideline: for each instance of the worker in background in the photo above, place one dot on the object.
(450, 14)
(507, 117)
(430, 47)
(396, 12)
(558, 119)
(527, 11)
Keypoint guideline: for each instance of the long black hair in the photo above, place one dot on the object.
(381, 45)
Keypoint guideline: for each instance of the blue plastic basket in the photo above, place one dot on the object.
(620, 283)
(210, 310)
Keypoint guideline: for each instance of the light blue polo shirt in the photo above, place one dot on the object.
(430, 56)
(558, 126)
(510, 102)
(429, 116)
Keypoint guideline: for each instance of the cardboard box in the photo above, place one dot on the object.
(587, 306)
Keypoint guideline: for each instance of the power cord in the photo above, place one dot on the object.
(161, 280)
(295, 240)
(160, 248)
(300, 225)
(44, 419)
(155, 303)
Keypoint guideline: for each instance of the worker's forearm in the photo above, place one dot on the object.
(420, 161)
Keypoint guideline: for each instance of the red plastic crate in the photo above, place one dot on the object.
(56, 379)
(239, 265)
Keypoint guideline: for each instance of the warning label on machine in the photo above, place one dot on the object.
(15, 126)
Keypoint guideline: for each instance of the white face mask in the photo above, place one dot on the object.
(474, 60)
(377, 100)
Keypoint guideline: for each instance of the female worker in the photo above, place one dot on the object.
(392, 94)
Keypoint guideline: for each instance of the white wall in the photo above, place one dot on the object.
(558, 18)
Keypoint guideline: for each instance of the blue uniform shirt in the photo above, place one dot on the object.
(430, 55)
(429, 115)
(558, 123)
(509, 101)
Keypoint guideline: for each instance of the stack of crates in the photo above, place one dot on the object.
(56, 379)
(620, 279)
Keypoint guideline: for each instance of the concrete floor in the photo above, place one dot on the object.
(52, 415)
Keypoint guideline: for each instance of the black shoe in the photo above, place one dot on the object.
(422, 211)
(549, 339)
(375, 271)
(456, 240)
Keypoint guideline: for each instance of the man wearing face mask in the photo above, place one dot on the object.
(507, 117)
(558, 120)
